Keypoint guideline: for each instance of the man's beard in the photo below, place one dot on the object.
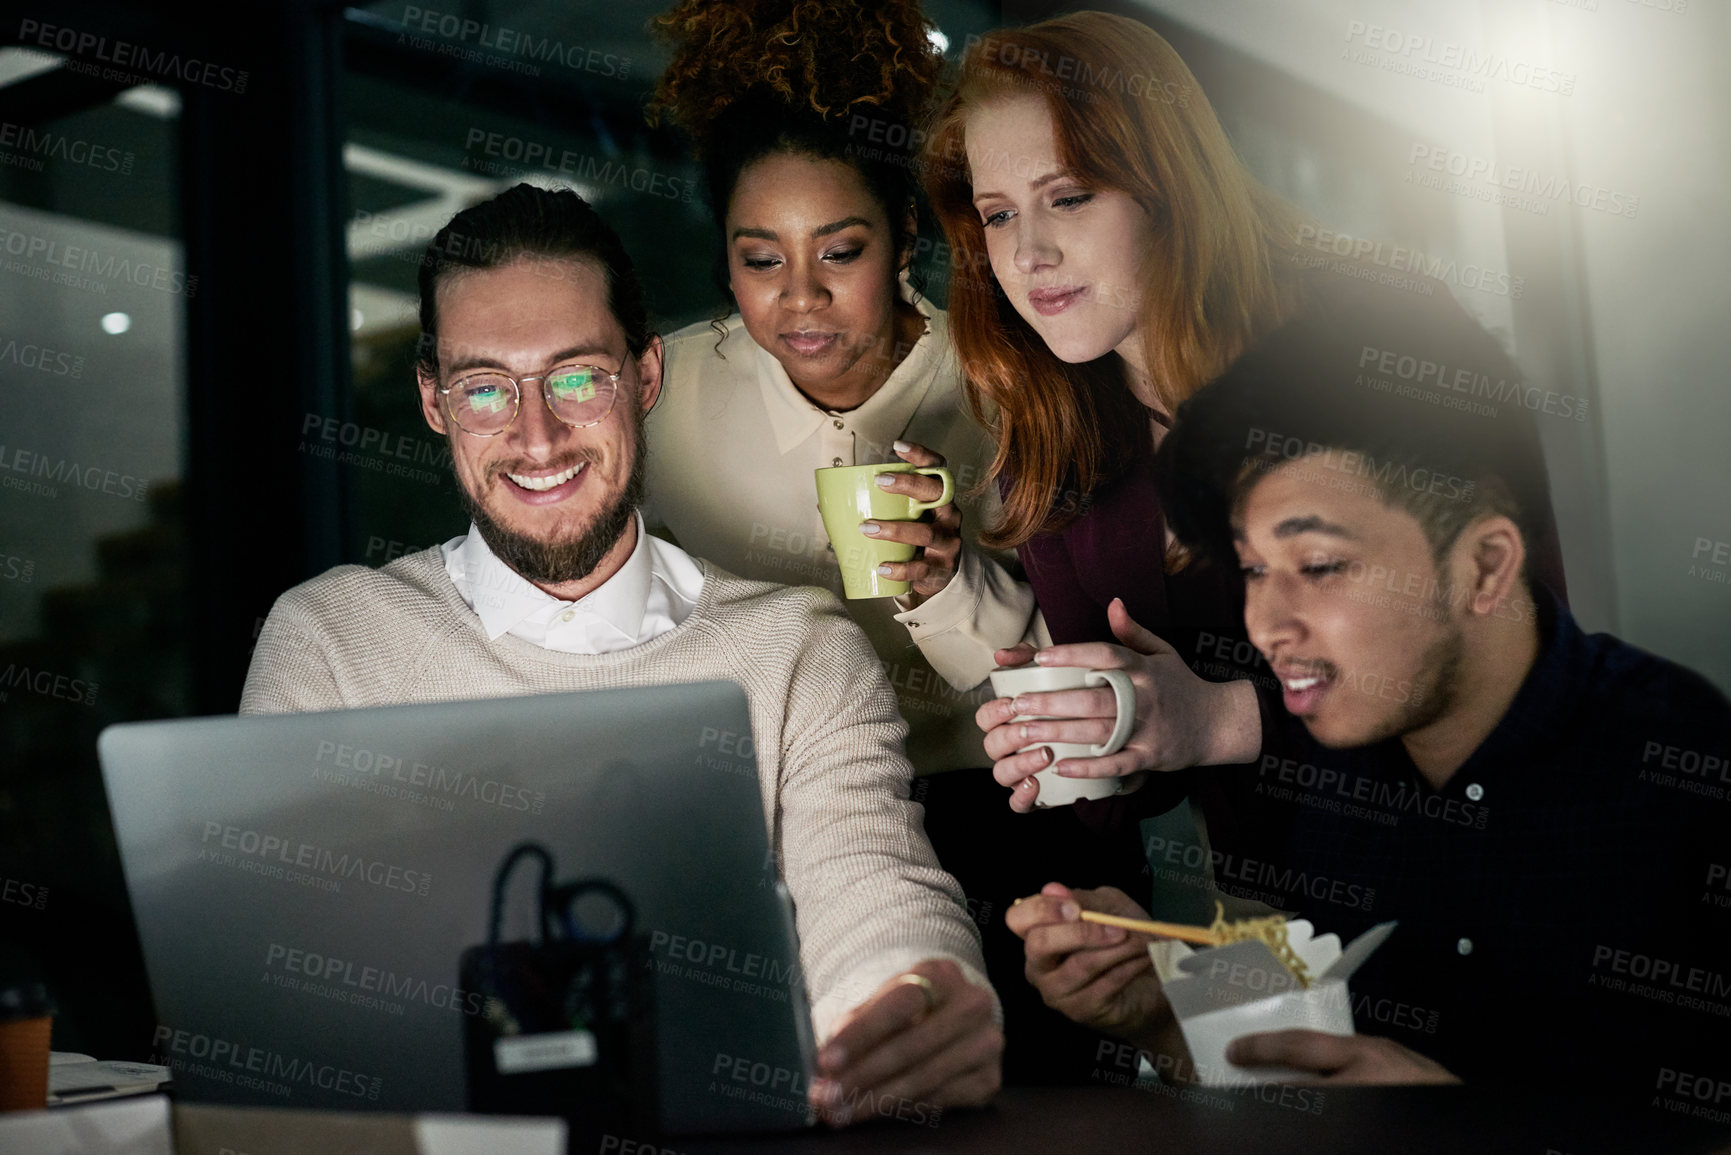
(555, 562)
(1435, 690)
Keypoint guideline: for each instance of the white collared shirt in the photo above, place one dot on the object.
(653, 592)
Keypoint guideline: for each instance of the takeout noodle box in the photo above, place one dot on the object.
(1223, 992)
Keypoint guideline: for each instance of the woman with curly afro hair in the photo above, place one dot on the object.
(800, 116)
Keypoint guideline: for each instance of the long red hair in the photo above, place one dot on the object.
(1129, 116)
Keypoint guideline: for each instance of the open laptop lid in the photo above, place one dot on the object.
(305, 884)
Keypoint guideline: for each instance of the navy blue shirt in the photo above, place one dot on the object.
(1563, 901)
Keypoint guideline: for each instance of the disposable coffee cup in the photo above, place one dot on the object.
(848, 495)
(1055, 789)
(26, 1022)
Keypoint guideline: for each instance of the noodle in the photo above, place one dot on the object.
(1270, 931)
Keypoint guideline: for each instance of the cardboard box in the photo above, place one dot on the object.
(1223, 992)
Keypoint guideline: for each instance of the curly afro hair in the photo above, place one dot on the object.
(819, 78)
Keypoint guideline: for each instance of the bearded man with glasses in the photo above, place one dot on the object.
(538, 364)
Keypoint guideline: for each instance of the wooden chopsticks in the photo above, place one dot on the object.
(1196, 934)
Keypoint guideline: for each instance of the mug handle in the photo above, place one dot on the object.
(948, 494)
(1125, 700)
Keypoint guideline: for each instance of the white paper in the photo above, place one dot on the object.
(136, 1126)
(473, 1135)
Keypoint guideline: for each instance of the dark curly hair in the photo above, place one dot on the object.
(818, 78)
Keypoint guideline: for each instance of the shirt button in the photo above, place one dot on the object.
(1464, 946)
(836, 463)
(1475, 791)
(567, 615)
(838, 424)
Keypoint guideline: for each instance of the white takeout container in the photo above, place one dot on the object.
(1223, 992)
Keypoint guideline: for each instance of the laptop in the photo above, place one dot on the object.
(306, 886)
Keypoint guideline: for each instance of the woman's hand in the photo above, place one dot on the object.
(938, 541)
(1181, 719)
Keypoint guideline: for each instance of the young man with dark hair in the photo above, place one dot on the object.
(538, 365)
(1545, 812)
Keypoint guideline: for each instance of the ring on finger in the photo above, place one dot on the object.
(927, 988)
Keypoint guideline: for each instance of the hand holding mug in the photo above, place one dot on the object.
(938, 542)
(1180, 719)
(1028, 686)
(851, 496)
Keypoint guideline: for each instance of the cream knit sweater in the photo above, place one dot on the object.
(869, 897)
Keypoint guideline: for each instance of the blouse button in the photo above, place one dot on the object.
(836, 462)
(1475, 791)
(1464, 946)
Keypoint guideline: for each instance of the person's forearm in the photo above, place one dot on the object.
(1234, 727)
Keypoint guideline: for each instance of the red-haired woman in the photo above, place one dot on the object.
(1112, 256)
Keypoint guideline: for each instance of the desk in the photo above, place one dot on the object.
(1383, 1121)
(1041, 1121)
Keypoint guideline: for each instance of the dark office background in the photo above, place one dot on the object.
(211, 401)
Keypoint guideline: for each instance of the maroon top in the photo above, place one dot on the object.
(1115, 548)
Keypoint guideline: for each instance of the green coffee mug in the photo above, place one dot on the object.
(848, 495)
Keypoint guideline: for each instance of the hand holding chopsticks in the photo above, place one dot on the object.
(1200, 935)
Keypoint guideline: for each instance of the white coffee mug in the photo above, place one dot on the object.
(1055, 789)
